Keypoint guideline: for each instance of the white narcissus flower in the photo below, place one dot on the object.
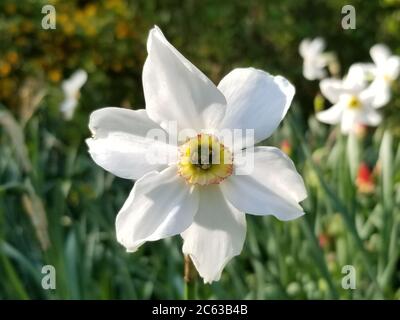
(352, 103)
(385, 71)
(203, 201)
(314, 59)
(71, 88)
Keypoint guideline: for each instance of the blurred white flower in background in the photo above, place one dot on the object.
(204, 202)
(366, 87)
(314, 59)
(383, 72)
(71, 88)
(352, 103)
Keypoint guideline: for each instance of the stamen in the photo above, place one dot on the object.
(204, 160)
(354, 102)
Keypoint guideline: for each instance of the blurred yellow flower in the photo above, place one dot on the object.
(10, 8)
(62, 19)
(79, 17)
(12, 57)
(69, 29)
(66, 23)
(5, 69)
(121, 30)
(91, 10)
(115, 5)
(54, 75)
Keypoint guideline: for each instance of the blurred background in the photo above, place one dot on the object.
(57, 207)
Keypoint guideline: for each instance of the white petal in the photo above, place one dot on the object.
(304, 47)
(273, 187)
(313, 69)
(216, 235)
(122, 146)
(331, 89)
(317, 45)
(74, 83)
(392, 67)
(311, 48)
(68, 108)
(175, 90)
(379, 91)
(160, 205)
(365, 71)
(354, 81)
(256, 100)
(369, 116)
(358, 76)
(332, 115)
(366, 97)
(349, 120)
(379, 54)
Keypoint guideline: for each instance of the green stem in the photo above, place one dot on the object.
(321, 263)
(189, 279)
(339, 207)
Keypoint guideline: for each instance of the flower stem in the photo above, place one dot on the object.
(189, 279)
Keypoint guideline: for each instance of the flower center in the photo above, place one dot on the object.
(204, 160)
(354, 103)
(388, 78)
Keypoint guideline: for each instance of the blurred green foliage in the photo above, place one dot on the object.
(107, 38)
(57, 207)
